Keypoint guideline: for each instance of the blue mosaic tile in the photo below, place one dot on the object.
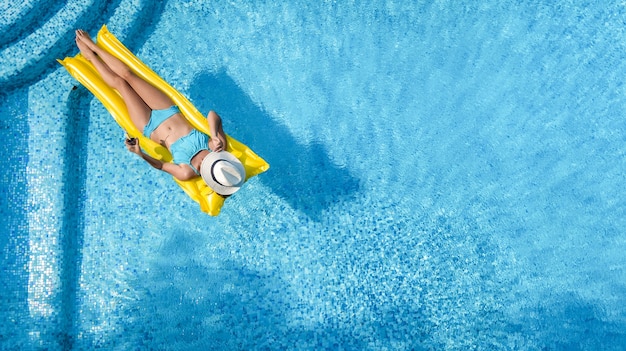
(444, 177)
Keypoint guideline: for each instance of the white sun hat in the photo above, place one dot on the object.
(223, 172)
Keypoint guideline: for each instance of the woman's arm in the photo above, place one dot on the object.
(218, 139)
(180, 172)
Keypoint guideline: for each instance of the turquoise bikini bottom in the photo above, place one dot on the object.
(157, 117)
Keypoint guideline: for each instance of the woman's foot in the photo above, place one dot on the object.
(86, 39)
(84, 49)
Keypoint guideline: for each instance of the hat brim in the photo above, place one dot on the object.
(207, 175)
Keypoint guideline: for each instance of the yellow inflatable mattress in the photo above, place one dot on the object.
(81, 69)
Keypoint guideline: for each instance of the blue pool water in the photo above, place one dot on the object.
(445, 175)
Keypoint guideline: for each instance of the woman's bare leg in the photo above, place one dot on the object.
(151, 95)
(218, 137)
(137, 109)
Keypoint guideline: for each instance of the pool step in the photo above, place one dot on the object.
(27, 59)
(46, 315)
(27, 56)
(18, 16)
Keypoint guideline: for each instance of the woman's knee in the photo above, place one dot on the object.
(125, 73)
(119, 83)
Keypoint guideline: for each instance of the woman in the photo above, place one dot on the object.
(154, 112)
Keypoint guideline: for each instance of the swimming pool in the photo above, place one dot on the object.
(444, 176)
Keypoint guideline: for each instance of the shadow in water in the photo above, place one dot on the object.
(74, 195)
(14, 228)
(567, 322)
(301, 174)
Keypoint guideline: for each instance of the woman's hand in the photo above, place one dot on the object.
(132, 144)
(216, 144)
